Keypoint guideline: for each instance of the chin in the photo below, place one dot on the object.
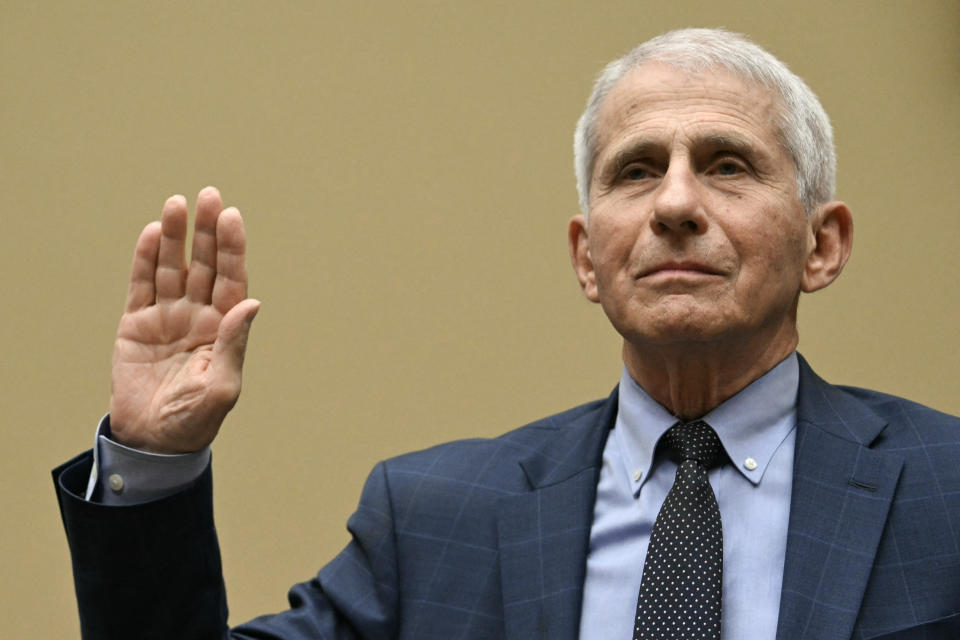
(672, 335)
(673, 326)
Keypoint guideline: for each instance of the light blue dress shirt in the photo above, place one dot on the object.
(757, 428)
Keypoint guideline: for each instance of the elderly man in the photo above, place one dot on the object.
(722, 491)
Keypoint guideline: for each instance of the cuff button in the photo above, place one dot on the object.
(116, 482)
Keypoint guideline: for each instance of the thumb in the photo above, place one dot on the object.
(231, 343)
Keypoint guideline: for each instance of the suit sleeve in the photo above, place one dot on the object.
(153, 570)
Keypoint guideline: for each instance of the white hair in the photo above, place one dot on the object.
(804, 128)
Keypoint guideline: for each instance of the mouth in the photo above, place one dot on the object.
(679, 268)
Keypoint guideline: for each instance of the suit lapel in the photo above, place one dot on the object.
(544, 533)
(840, 500)
(842, 491)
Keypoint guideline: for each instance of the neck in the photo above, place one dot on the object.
(691, 379)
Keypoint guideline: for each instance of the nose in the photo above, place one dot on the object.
(678, 204)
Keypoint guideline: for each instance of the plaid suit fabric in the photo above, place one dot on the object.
(873, 549)
(459, 513)
(487, 539)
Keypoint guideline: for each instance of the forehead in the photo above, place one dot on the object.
(664, 105)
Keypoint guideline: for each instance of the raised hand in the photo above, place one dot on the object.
(178, 357)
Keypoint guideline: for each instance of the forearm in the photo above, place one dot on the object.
(152, 570)
(148, 571)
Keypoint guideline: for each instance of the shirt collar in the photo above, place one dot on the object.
(751, 425)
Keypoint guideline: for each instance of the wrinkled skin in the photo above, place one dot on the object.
(697, 246)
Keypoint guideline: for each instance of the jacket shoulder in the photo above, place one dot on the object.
(493, 462)
(908, 419)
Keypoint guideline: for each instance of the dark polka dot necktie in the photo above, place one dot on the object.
(683, 573)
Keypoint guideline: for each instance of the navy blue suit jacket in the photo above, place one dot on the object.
(488, 539)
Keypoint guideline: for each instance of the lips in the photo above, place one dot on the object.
(679, 267)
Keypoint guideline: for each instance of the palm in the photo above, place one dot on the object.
(179, 350)
(164, 352)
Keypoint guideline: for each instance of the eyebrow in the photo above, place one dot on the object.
(727, 142)
(639, 148)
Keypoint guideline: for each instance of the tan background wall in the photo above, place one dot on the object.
(404, 169)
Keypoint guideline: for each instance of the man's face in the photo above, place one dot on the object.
(696, 232)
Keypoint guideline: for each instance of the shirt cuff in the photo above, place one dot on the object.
(125, 476)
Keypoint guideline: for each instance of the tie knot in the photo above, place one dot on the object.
(695, 441)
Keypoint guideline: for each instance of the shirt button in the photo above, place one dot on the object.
(750, 464)
(116, 482)
(637, 475)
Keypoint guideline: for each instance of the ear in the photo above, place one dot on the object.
(580, 256)
(832, 228)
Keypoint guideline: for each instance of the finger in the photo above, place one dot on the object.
(230, 347)
(142, 291)
(203, 255)
(171, 264)
(230, 285)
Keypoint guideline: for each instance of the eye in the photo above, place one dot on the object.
(635, 172)
(728, 168)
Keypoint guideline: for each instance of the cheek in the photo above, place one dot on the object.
(773, 262)
(611, 249)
